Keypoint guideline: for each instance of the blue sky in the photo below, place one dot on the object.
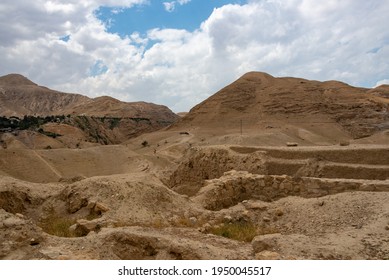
(155, 14)
(179, 52)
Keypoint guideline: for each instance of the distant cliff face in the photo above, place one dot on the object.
(261, 98)
(103, 120)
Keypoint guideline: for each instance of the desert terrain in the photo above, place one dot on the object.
(266, 168)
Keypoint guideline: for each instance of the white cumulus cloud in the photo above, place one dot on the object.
(342, 40)
(171, 6)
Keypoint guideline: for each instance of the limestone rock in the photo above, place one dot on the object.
(73, 228)
(193, 220)
(265, 242)
(51, 253)
(267, 255)
(100, 207)
(85, 226)
(227, 219)
(91, 205)
(13, 222)
(20, 216)
(75, 202)
(256, 205)
(206, 227)
(266, 219)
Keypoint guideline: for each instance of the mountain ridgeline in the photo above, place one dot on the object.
(103, 120)
(261, 100)
(283, 108)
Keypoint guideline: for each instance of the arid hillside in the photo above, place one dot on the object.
(19, 96)
(260, 101)
(267, 168)
(102, 120)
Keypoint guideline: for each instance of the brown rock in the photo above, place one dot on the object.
(279, 212)
(13, 222)
(291, 144)
(267, 255)
(265, 242)
(227, 219)
(91, 204)
(206, 227)
(19, 215)
(257, 205)
(193, 220)
(34, 241)
(85, 226)
(100, 207)
(73, 228)
(266, 219)
(76, 202)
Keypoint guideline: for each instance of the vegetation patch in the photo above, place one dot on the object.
(114, 122)
(140, 120)
(60, 225)
(57, 225)
(241, 230)
(28, 122)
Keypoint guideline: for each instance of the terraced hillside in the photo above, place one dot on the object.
(352, 162)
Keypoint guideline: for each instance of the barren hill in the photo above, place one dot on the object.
(259, 100)
(16, 80)
(19, 96)
(103, 120)
(111, 107)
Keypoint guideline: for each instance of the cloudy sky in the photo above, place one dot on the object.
(178, 53)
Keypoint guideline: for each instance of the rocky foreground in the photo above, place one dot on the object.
(232, 215)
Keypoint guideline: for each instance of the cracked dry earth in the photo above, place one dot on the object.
(299, 209)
